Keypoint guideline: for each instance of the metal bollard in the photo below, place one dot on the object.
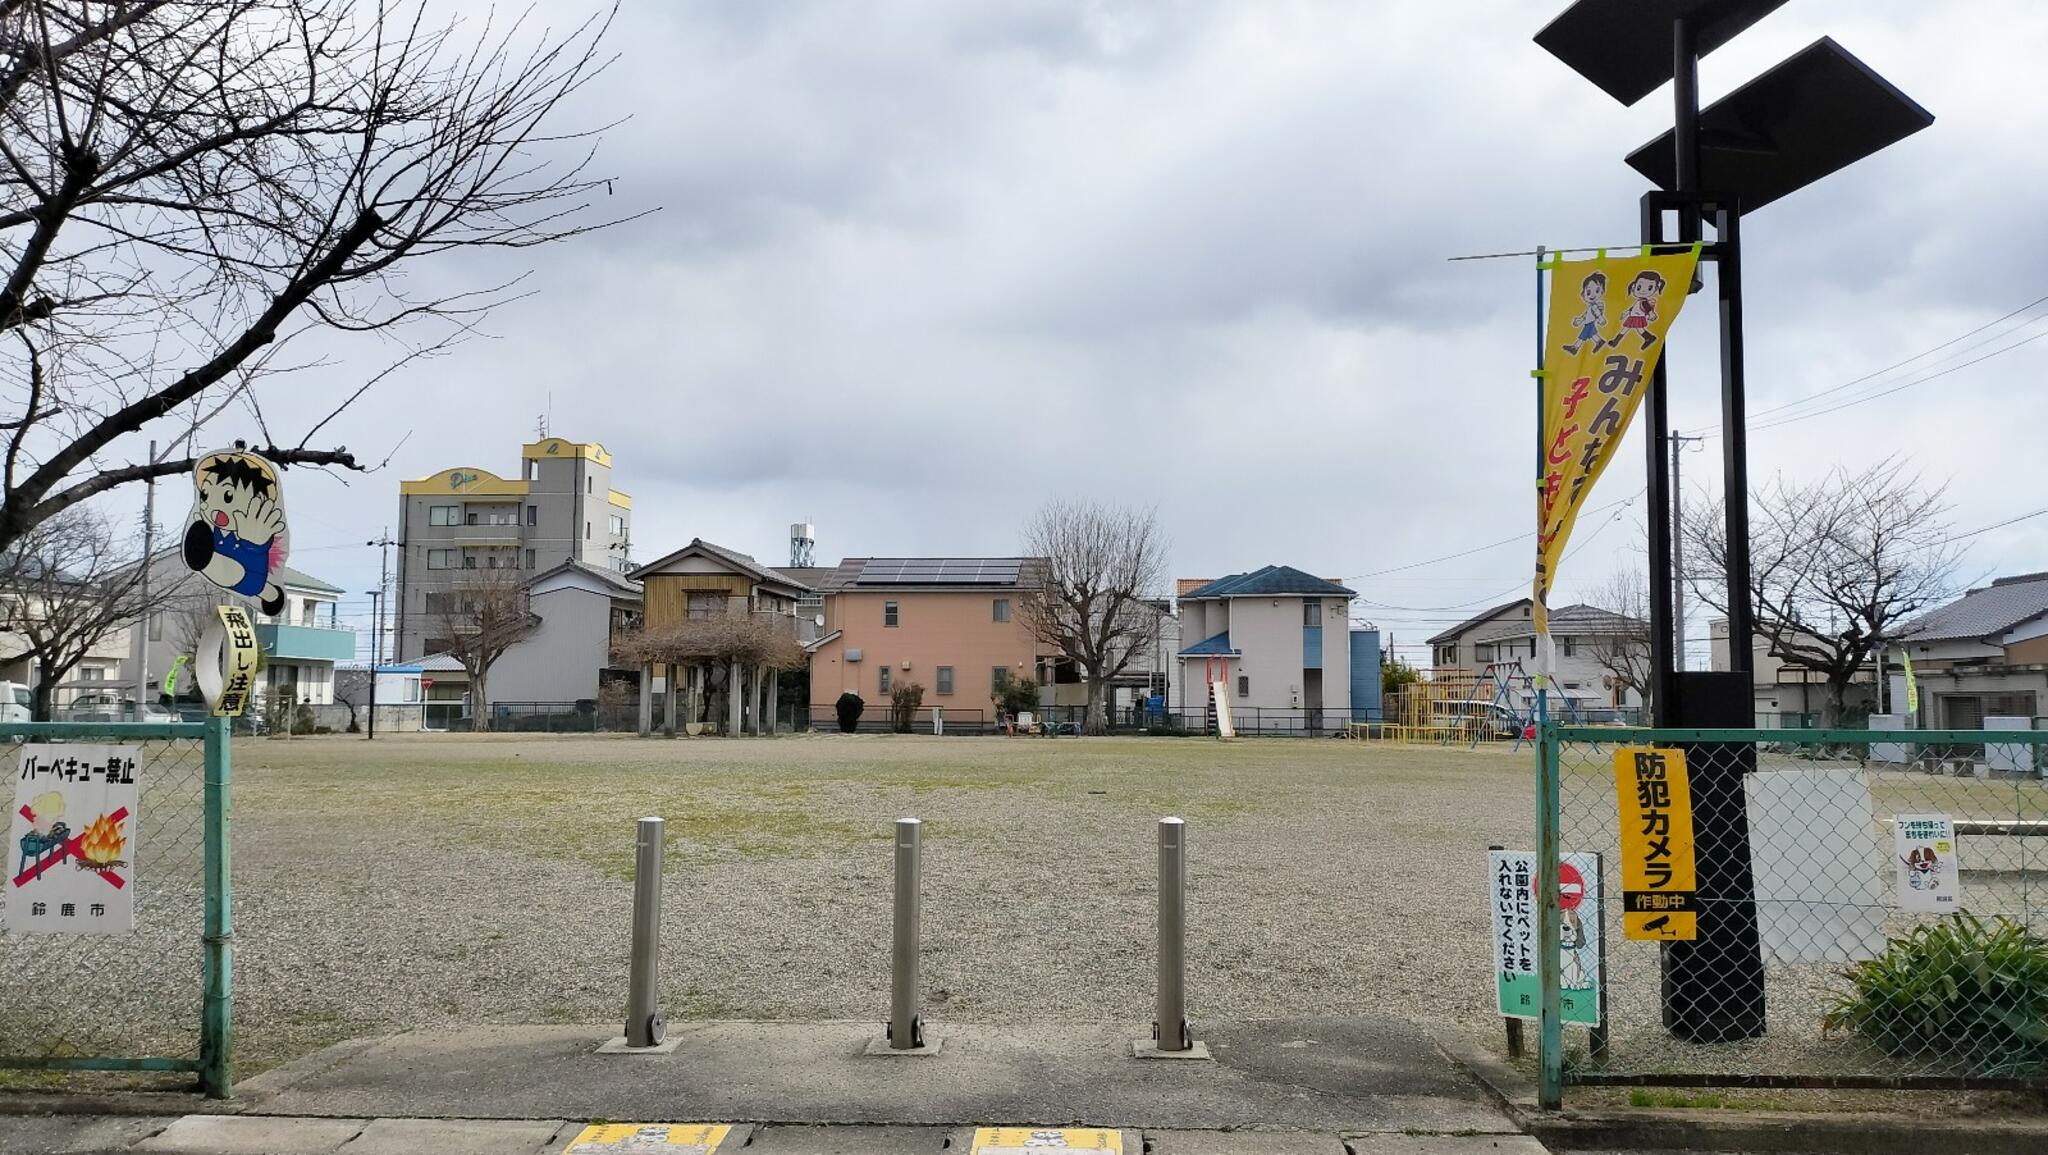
(1170, 1027)
(906, 1026)
(644, 1024)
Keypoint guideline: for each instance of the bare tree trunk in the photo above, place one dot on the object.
(1097, 719)
(1831, 702)
(44, 692)
(480, 703)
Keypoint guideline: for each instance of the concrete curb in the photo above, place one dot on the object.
(1788, 1132)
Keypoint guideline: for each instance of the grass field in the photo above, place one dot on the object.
(432, 880)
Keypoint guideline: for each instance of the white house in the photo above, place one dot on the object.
(1278, 639)
(1983, 655)
(568, 655)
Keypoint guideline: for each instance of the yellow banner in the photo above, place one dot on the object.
(1601, 341)
(1658, 879)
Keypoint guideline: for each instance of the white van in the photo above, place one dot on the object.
(17, 702)
(1485, 719)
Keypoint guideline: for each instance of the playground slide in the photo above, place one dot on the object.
(1219, 695)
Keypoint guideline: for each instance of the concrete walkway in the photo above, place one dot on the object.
(1288, 1087)
(1336, 1075)
(295, 1135)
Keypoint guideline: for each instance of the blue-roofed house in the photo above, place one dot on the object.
(1278, 639)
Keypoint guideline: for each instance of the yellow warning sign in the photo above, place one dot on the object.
(638, 1138)
(1038, 1140)
(1658, 903)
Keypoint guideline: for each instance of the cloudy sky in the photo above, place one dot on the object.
(919, 267)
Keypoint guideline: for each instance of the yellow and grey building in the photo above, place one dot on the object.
(454, 523)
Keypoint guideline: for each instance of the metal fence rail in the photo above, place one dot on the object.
(53, 1015)
(1815, 964)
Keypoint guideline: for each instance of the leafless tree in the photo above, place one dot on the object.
(65, 586)
(1837, 565)
(191, 189)
(1094, 566)
(481, 618)
(1623, 649)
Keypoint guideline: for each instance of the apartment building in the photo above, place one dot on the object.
(459, 521)
(952, 625)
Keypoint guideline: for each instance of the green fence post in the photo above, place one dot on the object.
(1550, 1032)
(215, 1029)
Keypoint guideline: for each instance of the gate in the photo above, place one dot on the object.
(179, 955)
(1873, 973)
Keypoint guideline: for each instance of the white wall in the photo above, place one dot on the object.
(559, 661)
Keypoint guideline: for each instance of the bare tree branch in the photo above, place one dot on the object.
(188, 185)
(1836, 566)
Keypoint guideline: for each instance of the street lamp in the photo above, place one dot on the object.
(1818, 111)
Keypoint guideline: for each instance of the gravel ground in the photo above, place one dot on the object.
(444, 880)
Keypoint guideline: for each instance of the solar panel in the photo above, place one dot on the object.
(940, 571)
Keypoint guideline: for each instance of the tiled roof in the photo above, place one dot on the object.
(1578, 619)
(1218, 646)
(618, 582)
(732, 557)
(1477, 619)
(1983, 613)
(301, 580)
(1272, 580)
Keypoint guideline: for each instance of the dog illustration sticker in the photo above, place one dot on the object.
(237, 538)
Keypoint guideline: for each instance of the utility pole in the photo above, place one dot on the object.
(384, 543)
(149, 612)
(1678, 443)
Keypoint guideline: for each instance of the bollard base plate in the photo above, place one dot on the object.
(618, 1047)
(1149, 1049)
(880, 1046)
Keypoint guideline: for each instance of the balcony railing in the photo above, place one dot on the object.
(306, 643)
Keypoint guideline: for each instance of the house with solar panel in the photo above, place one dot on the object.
(1279, 643)
(952, 625)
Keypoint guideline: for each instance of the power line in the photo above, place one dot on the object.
(1896, 388)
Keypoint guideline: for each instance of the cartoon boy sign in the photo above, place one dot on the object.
(238, 539)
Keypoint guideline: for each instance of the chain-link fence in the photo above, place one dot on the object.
(155, 998)
(1865, 908)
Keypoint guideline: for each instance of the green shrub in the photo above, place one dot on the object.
(849, 707)
(1018, 696)
(1972, 992)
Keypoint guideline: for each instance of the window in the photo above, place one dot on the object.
(998, 678)
(533, 515)
(1450, 657)
(702, 605)
(91, 674)
(491, 560)
(469, 519)
(1002, 609)
(444, 515)
(1311, 612)
(529, 559)
(618, 526)
(1244, 686)
(440, 559)
(586, 531)
(885, 677)
(945, 679)
(1565, 645)
(468, 561)
(889, 613)
(1482, 652)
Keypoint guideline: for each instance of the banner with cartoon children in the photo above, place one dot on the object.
(1602, 337)
(71, 854)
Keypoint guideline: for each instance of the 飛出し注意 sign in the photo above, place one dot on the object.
(1658, 903)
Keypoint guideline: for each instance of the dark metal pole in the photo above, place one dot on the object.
(1663, 683)
(1735, 445)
